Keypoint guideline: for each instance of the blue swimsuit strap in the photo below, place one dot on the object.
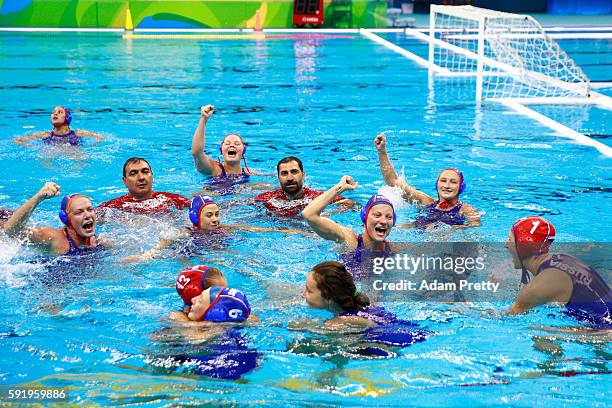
(224, 173)
(73, 245)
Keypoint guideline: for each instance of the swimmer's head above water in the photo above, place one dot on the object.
(330, 286)
(232, 148)
(61, 117)
(78, 213)
(450, 184)
(192, 281)
(529, 236)
(220, 304)
(204, 213)
(378, 216)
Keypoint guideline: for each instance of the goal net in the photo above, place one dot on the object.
(509, 54)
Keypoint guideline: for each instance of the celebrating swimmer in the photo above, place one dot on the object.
(206, 229)
(61, 134)
(378, 217)
(138, 178)
(293, 197)
(76, 212)
(330, 286)
(232, 148)
(557, 278)
(449, 185)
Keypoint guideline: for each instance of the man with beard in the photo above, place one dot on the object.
(138, 178)
(76, 212)
(293, 197)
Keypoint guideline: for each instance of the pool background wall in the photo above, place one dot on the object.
(178, 13)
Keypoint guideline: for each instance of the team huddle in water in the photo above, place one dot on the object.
(557, 278)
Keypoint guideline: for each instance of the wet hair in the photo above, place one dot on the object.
(335, 283)
(213, 277)
(289, 159)
(134, 160)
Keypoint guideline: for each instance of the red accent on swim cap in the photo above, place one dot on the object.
(533, 235)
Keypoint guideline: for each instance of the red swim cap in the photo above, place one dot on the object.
(533, 235)
(190, 282)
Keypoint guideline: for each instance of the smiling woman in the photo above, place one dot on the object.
(378, 217)
(76, 212)
(446, 209)
(232, 148)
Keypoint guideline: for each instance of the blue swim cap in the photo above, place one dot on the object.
(461, 185)
(240, 137)
(195, 209)
(374, 200)
(68, 116)
(63, 215)
(227, 305)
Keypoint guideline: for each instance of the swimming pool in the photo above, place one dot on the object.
(101, 333)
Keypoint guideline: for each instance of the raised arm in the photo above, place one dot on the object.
(323, 226)
(16, 224)
(23, 140)
(203, 163)
(390, 175)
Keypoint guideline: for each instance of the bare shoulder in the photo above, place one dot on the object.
(339, 322)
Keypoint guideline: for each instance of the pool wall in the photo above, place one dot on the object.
(179, 14)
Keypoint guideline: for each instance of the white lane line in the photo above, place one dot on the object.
(558, 127)
(421, 61)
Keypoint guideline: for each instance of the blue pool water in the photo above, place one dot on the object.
(100, 329)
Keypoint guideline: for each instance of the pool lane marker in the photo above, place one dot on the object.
(419, 60)
(194, 36)
(556, 126)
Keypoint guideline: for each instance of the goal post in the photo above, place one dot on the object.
(509, 54)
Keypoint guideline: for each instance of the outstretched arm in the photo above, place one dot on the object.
(16, 224)
(203, 163)
(323, 226)
(87, 133)
(471, 215)
(391, 177)
(155, 251)
(24, 140)
(548, 286)
(253, 228)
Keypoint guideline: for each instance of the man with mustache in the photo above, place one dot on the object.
(292, 197)
(78, 237)
(138, 178)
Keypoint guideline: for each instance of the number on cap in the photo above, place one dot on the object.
(535, 226)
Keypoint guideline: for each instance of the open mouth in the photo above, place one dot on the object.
(232, 152)
(89, 226)
(382, 230)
